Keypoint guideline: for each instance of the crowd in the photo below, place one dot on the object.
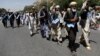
(52, 21)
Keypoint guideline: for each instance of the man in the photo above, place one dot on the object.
(21, 18)
(26, 18)
(86, 17)
(4, 20)
(12, 17)
(35, 21)
(31, 24)
(71, 20)
(18, 19)
(43, 16)
(55, 24)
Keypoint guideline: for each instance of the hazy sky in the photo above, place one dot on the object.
(15, 5)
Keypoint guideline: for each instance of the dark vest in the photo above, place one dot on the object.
(68, 16)
(12, 17)
(83, 18)
(45, 18)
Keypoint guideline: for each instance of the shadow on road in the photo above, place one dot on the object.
(92, 41)
(73, 49)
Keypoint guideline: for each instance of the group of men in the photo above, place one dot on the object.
(54, 20)
(11, 17)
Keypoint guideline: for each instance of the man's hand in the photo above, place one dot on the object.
(73, 20)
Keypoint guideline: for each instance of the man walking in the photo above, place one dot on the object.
(71, 20)
(55, 24)
(43, 16)
(12, 17)
(18, 20)
(4, 20)
(86, 17)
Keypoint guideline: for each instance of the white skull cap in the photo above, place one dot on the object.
(73, 3)
(57, 6)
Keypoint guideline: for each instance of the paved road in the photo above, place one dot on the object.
(17, 42)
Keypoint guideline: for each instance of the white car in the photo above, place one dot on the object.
(98, 15)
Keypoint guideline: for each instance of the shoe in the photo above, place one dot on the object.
(31, 34)
(60, 39)
(48, 38)
(88, 48)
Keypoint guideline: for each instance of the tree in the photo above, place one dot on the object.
(63, 4)
(2, 11)
(27, 8)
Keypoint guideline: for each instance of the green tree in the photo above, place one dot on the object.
(2, 11)
(29, 8)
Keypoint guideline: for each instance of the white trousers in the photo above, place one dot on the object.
(32, 26)
(86, 32)
(45, 30)
(56, 32)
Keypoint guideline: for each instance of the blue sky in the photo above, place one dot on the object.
(15, 5)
